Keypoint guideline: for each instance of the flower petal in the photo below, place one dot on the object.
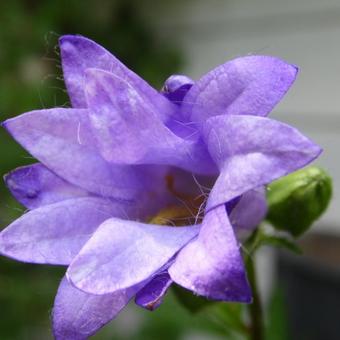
(151, 296)
(212, 265)
(250, 85)
(79, 53)
(252, 151)
(62, 140)
(55, 233)
(122, 254)
(176, 87)
(250, 210)
(129, 130)
(35, 185)
(78, 315)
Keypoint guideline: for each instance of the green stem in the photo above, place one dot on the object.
(255, 308)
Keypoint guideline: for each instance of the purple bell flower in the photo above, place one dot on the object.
(138, 189)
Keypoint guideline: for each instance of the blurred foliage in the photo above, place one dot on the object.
(277, 323)
(26, 298)
(31, 78)
(190, 301)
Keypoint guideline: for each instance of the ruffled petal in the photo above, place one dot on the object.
(55, 233)
(35, 185)
(62, 140)
(250, 85)
(211, 265)
(252, 151)
(250, 210)
(129, 130)
(79, 53)
(151, 296)
(122, 254)
(78, 315)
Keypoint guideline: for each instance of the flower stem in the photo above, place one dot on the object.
(255, 308)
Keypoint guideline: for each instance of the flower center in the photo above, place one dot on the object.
(188, 211)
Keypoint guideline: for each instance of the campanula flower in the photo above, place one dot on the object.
(137, 189)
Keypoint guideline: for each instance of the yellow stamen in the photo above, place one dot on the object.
(187, 213)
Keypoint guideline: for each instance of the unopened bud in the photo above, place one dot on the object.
(297, 200)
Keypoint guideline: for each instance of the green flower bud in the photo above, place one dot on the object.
(297, 200)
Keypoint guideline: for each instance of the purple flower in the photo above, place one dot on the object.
(138, 189)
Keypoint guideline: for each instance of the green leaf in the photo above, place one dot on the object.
(297, 200)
